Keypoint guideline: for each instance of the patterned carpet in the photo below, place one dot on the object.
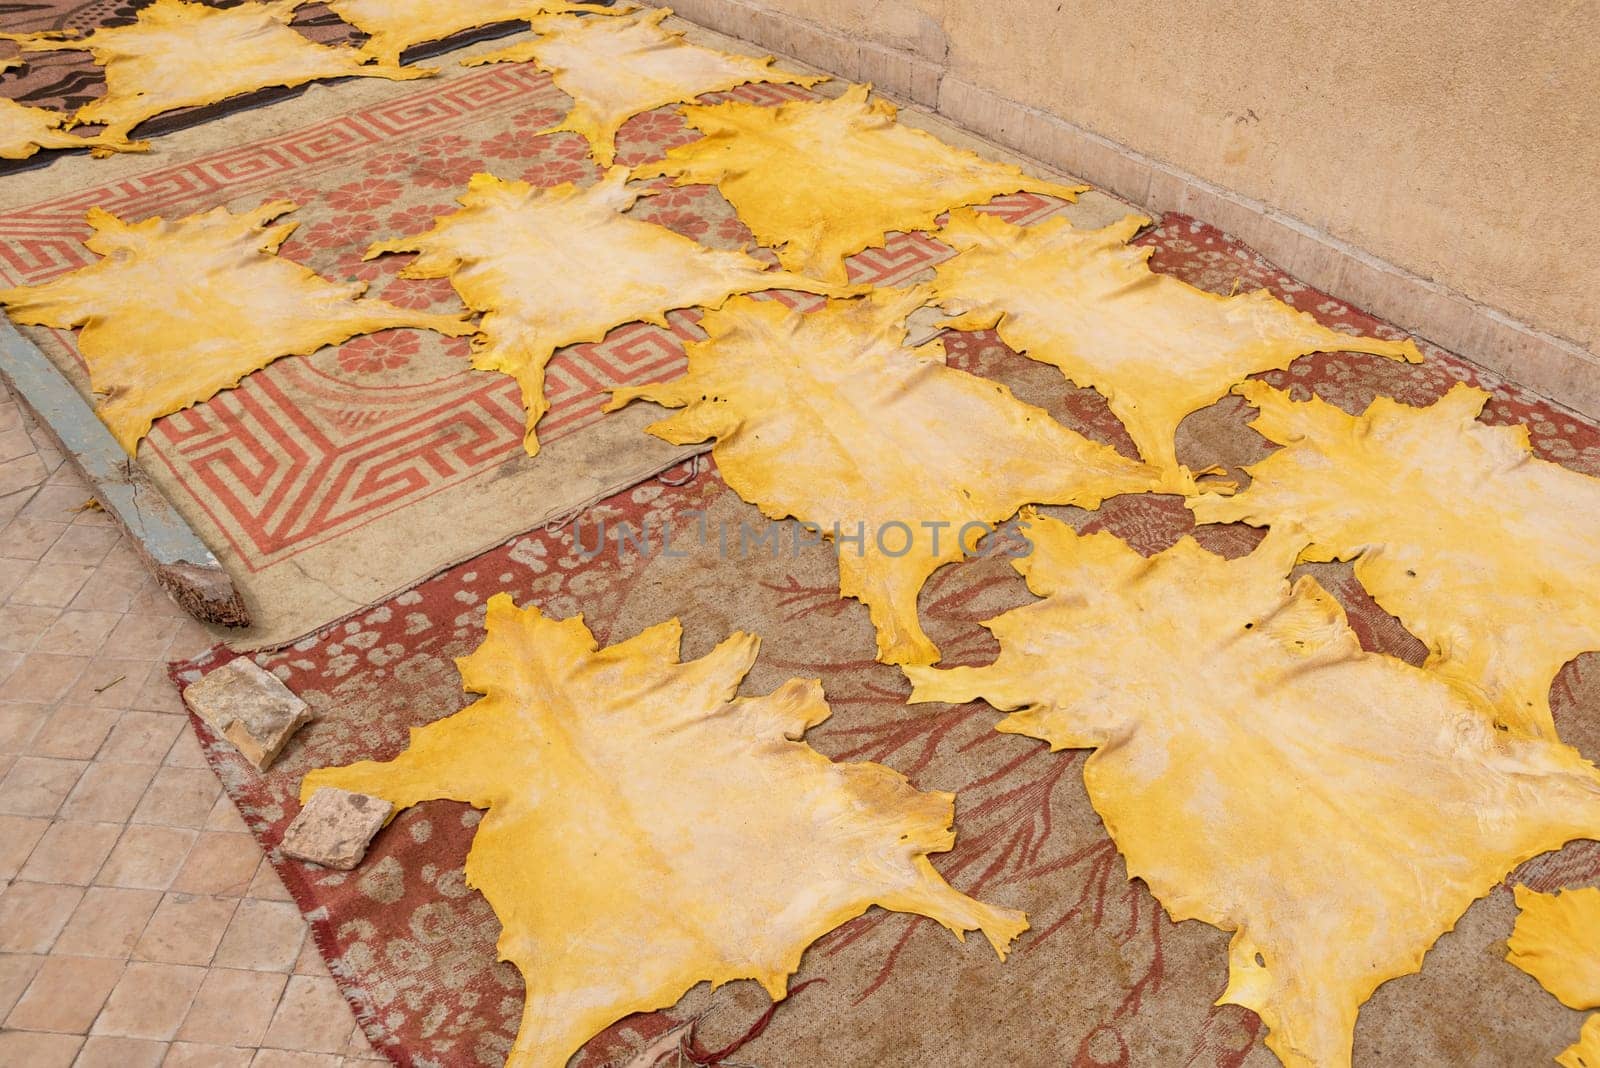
(65, 81)
(388, 457)
(1103, 978)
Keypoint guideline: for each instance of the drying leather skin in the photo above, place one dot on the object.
(617, 68)
(827, 417)
(821, 180)
(393, 26)
(647, 830)
(180, 55)
(1086, 302)
(527, 258)
(1337, 810)
(1413, 494)
(175, 312)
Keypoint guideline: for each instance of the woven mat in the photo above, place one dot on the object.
(1102, 978)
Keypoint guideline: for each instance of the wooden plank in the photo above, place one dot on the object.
(180, 561)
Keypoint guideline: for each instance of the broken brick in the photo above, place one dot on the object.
(249, 707)
(334, 828)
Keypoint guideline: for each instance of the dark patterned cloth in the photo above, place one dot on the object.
(67, 80)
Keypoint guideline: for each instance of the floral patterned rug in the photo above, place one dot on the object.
(1103, 977)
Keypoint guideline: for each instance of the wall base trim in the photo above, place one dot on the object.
(1552, 366)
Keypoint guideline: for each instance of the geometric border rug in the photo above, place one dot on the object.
(328, 482)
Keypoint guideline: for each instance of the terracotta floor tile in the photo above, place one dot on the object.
(59, 502)
(112, 590)
(30, 539)
(108, 683)
(266, 886)
(44, 676)
(153, 601)
(14, 442)
(185, 929)
(20, 726)
(108, 791)
(74, 732)
(82, 545)
(9, 662)
(16, 972)
(81, 633)
(70, 852)
(18, 836)
(142, 737)
(66, 994)
(278, 1058)
(159, 695)
(107, 922)
(150, 1001)
(51, 585)
(101, 1051)
(233, 1007)
(122, 557)
(186, 751)
(142, 636)
(32, 914)
(192, 639)
(202, 1055)
(220, 863)
(89, 726)
(225, 816)
(178, 797)
(11, 506)
(21, 625)
(310, 961)
(263, 936)
(147, 857)
(307, 1018)
(36, 786)
(35, 1049)
(12, 572)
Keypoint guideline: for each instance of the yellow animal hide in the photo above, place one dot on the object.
(1557, 941)
(1336, 810)
(175, 312)
(25, 130)
(1086, 302)
(615, 69)
(647, 830)
(1586, 1053)
(1483, 551)
(822, 180)
(396, 25)
(180, 55)
(828, 418)
(554, 267)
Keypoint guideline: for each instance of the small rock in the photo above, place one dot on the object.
(334, 828)
(249, 707)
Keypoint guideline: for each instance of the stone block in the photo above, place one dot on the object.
(249, 707)
(335, 827)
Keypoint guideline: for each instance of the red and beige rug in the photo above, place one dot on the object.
(328, 482)
(1101, 979)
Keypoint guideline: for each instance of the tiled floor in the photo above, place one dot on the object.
(139, 923)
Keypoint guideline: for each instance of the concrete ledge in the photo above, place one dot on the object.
(1554, 367)
(182, 564)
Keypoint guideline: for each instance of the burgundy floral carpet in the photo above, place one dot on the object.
(1101, 979)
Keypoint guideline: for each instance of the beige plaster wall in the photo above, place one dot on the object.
(1457, 139)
